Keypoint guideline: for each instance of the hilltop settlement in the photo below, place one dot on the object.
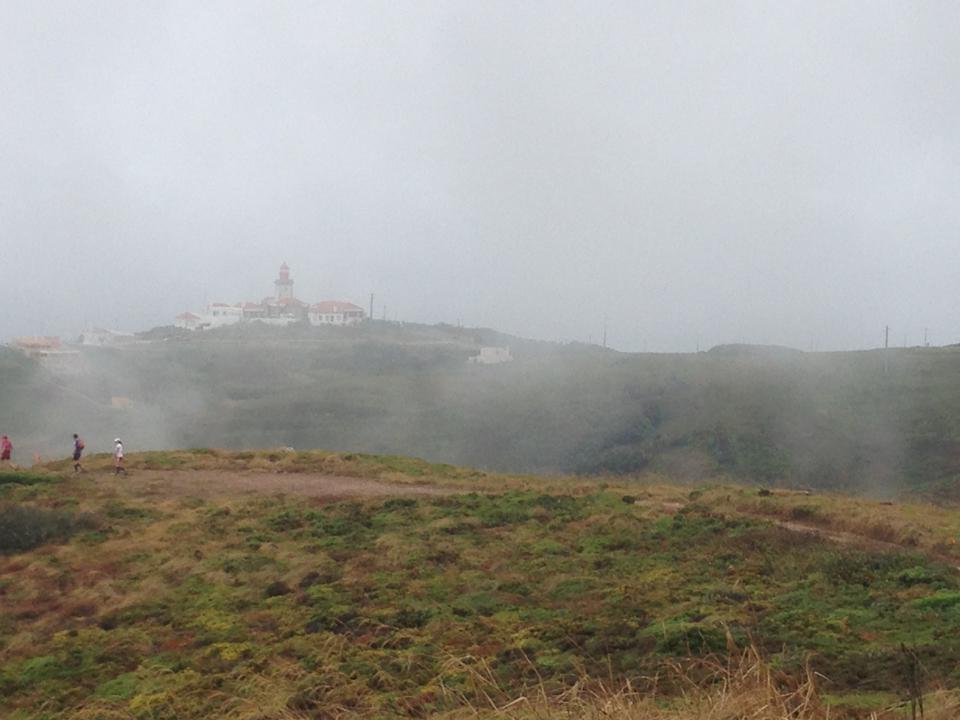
(281, 308)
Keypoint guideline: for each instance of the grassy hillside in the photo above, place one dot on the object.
(881, 422)
(277, 585)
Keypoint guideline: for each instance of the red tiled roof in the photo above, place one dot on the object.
(334, 306)
(187, 316)
(37, 341)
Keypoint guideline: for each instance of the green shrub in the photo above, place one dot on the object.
(477, 603)
(920, 575)
(409, 617)
(24, 526)
(122, 687)
(117, 510)
(573, 588)
(803, 512)
(22, 477)
(285, 520)
(690, 638)
(940, 600)
(162, 460)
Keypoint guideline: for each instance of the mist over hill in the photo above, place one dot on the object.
(873, 421)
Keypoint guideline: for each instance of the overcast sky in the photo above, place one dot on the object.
(766, 172)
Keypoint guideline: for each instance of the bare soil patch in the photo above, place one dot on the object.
(209, 483)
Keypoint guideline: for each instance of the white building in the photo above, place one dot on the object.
(188, 321)
(49, 352)
(335, 312)
(220, 314)
(100, 337)
(490, 355)
(215, 315)
(280, 309)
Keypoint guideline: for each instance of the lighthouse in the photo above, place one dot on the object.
(284, 284)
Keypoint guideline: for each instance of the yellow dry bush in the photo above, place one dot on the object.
(744, 687)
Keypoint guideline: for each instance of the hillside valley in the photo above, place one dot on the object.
(297, 585)
(881, 422)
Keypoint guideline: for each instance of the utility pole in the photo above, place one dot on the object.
(371, 306)
(604, 333)
(925, 343)
(886, 348)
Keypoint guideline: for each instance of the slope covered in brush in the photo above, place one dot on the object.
(199, 591)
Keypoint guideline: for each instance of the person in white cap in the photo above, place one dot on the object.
(118, 458)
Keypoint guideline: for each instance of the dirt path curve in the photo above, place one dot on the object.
(206, 484)
(843, 537)
(840, 537)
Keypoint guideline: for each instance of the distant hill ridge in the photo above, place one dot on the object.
(737, 349)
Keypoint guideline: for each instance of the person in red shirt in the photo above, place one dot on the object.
(6, 450)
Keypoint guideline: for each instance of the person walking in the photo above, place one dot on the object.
(6, 451)
(78, 447)
(118, 458)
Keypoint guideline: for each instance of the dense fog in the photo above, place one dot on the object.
(679, 174)
(880, 422)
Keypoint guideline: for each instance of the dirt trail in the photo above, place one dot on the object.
(843, 537)
(217, 483)
(840, 537)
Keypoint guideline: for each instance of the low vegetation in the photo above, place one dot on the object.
(543, 598)
(920, 527)
(26, 477)
(23, 527)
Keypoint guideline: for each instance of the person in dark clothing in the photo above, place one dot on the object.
(78, 446)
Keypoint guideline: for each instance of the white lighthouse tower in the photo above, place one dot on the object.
(284, 284)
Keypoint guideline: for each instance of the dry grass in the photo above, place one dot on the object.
(175, 543)
(742, 687)
(653, 490)
(933, 530)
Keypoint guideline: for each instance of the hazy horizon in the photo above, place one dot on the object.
(688, 175)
